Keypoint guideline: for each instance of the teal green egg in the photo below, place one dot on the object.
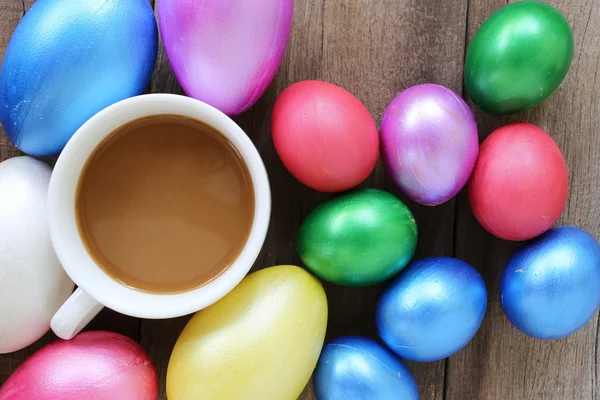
(518, 57)
(359, 239)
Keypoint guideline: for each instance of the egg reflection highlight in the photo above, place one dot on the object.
(432, 310)
(429, 143)
(261, 341)
(550, 288)
(93, 365)
(359, 239)
(359, 368)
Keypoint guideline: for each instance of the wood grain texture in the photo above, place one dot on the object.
(376, 48)
(501, 362)
(11, 11)
(370, 49)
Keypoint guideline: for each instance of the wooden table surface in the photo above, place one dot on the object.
(376, 48)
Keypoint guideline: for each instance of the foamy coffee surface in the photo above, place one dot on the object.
(165, 204)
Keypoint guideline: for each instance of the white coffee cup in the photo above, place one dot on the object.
(95, 288)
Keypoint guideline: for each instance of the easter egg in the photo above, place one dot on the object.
(518, 57)
(550, 288)
(261, 341)
(325, 136)
(359, 239)
(225, 53)
(66, 61)
(520, 182)
(93, 365)
(33, 284)
(432, 310)
(429, 143)
(358, 368)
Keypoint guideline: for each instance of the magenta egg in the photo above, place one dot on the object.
(225, 53)
(93, 365)
(429, 143)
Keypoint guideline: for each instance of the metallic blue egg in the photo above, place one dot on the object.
(550, 288)
(69, 59)
(358, 368)
(432, 309)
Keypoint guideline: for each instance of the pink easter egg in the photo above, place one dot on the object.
(429, 143)
(225, 53)
(94, 365)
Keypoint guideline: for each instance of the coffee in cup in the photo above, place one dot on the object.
(165, 204)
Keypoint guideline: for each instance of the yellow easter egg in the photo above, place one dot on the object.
(260, 342)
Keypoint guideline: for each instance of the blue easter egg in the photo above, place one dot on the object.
(69, 59)
(550, 288)
(358, 368)
(432, 309)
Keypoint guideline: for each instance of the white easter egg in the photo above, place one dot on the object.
(33, 284)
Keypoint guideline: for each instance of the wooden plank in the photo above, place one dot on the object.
(11, 12)
(502, 363)
(374, 49)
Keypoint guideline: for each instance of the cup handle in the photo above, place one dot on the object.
(74, 315)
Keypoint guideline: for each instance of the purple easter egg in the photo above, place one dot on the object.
(225, 53)
(429, 143)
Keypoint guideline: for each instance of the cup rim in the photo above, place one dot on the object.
(66, 238)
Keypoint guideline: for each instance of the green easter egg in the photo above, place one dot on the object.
(359, 239)
(518, 57)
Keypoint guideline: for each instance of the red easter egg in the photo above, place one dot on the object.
(324, 136)
(520, 182)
